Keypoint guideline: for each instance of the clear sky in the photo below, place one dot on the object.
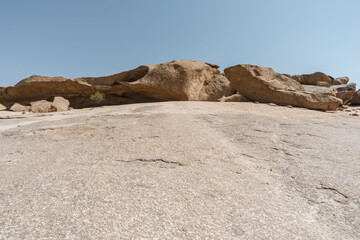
(75, 38)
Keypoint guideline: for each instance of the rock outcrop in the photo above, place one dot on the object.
(234, 98)
(355, 100)
(184, 80)
(265, 85)
(344, 91)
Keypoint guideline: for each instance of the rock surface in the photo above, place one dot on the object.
(2, 107)
(340, 80)
(317, 78)
(180, 170)
(177, 80)
(356, 98)
(265, 85)
(344, 91)
(60, 104)
(19, 108)
(41, 106)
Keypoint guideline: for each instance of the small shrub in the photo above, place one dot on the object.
(97, 97)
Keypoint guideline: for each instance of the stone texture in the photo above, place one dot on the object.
(2, 107)
(60, 104)
(319, 90)
(19, 108)
(184, 80)
(265, 85)
(313, 79)
(41, 106)
(344, 91)
(340, 80)
(355, 100)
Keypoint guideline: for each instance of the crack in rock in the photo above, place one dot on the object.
(152, 161)
(322, 187)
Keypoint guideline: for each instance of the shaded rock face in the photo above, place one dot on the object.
(355, 100)
(265, 85)
(184, 80)
(344, 91)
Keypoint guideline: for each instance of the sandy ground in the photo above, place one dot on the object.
(180, 170)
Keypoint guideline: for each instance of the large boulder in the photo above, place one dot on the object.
(41, 106)
(355, 100)
(40, 87)
(265, 85)
(17, 107)
(184, 80)
(344, 91)
(317, 79)
(319, 90)
(60, 104)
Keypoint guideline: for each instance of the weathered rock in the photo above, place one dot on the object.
(184, 80)
(265, 85)
(40, 87)
(234, 98)
(355, 100)
(340, 80)
(319, 90)
(213, 65)
(19, 108)
(60, 104)
(41, 106)
(2, 107)
(323, 84)
(313, 79)
(344, 91)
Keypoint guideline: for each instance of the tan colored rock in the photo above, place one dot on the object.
(2, 107)
(41, 106)
(355, 100)
(234, 98)
(265, 85)
(340, 80)
(184, 80)
(313, 79)
(39, 87)
(319, 90)
(323, 84)
(60, 104)
(344, 91)
(19, 108)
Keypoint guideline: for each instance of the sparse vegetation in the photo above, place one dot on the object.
(98, 97)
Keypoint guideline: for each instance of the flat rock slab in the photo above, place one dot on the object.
(187, 170)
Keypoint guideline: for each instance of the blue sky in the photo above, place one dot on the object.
(94, 38)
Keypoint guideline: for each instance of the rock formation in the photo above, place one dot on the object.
(344, 91)
(41, 106)
(2, 107)
(356, 98)
(60, 104)
(19, 108)
(184, 80)
(317, 79)
(265, 85)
